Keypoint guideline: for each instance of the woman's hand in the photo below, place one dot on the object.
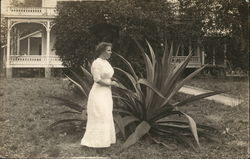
(114, 83)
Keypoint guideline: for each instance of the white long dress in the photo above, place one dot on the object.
(100, 130)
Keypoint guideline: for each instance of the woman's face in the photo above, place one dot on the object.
(108, 52)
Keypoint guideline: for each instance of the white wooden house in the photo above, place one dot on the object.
(31, 38)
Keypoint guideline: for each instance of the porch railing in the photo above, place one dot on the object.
(54, 61)
(195, 61)
(31, 11)
(35, 61)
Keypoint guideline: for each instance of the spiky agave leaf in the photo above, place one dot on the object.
(172, 80)
(150, 69)
(133, 81)
(78, 85)
(183, 127)
(85, 87)
(152, 53)
(130, 102)
(128, 64)
(179, 133)
(122, 122)
(167, 68)
(180, 85)
(129, 119)
(197, 97)
(87, 74)
(142, 129)
(179, 122)
(68, 103)
(168, 111)
(119, 122)
(123, 112)
(163, 75)
(70, 112)
(64, 121)
(150, 86)
(193, 128)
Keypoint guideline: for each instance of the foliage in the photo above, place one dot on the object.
(222, 18)
(3, 31)
(144, 20)
(75, 42)
(218, 17)
(26, 3)
(81, 25)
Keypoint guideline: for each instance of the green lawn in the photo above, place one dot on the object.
(26, 111)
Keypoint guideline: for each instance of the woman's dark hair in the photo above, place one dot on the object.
(101, 47)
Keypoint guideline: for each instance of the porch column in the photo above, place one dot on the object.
(18, 42)
(47, 68)
(225, 55)
(190, 47)
(8, 68)
(3, 64)
(28, 49)
(202, 56)
(11, 42)
(198, 51)
(213, 56)
(182, 49)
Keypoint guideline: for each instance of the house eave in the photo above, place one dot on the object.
(28, 17)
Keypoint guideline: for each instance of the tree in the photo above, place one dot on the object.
(3, 31)
(27, 3)
(81, 25)
(222, 18)
(75, 38)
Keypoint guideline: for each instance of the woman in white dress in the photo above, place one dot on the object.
(100, 130)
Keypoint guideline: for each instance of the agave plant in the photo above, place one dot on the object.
(148, 108)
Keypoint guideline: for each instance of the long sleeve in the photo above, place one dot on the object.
(96, 71)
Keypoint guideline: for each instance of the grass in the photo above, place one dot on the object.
(26, 111)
